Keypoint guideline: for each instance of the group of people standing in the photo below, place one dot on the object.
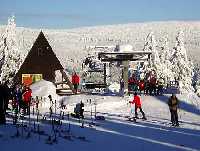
(151, 85)
(21, 98)
(18, 95)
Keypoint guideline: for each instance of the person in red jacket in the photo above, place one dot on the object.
(27, 94)
(138, 104)
(75, 81)
(141, 86)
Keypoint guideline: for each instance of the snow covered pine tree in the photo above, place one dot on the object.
(10, 59)
(182, 68)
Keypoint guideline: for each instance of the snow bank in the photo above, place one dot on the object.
(125, 48)
(114, 87)
(44, 89)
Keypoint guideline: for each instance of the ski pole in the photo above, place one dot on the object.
(60, 123)
(95, 109)
(38, 125)
(17, 131)
(179, 115)
(55, 107)
(91, 111)
(29, 123)
(69, 124)
(22, 125)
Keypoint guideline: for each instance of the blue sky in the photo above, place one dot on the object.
(78, 13)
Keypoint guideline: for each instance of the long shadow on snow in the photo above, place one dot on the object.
(165, 119)
(156, 133)
(113, 134)
(158, 125)
(183, 105)
(181, 121)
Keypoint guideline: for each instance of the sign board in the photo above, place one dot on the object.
(28, 79)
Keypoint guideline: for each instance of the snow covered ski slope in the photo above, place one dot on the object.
(113, 133)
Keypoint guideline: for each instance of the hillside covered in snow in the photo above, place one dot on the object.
(68, 43)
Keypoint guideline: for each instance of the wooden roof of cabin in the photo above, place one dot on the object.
(40, 59)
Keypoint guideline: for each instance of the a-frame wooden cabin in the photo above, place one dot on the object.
(41, 60)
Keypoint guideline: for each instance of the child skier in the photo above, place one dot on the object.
(138, 104)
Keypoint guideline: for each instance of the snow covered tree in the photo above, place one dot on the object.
(166, 66)
(10, 56)
(181, 67)
(166, 53)
(150, 46)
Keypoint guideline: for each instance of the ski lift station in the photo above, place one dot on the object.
(122, 55)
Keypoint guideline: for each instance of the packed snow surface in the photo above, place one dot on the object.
(116, 132)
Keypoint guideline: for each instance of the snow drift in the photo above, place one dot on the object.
(43, 89)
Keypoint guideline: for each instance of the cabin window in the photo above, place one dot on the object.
(40, 52)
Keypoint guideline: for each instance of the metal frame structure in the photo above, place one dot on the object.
(124, 57)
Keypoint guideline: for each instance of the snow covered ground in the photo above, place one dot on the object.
(115, 133)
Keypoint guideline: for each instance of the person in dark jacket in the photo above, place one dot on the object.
(79, 110)
(82, 110)
(17, 98)
(152, 85)
(173, 103)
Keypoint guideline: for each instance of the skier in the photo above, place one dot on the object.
(173, 103)
(138, 104)
(27, 99)
(75, 81)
